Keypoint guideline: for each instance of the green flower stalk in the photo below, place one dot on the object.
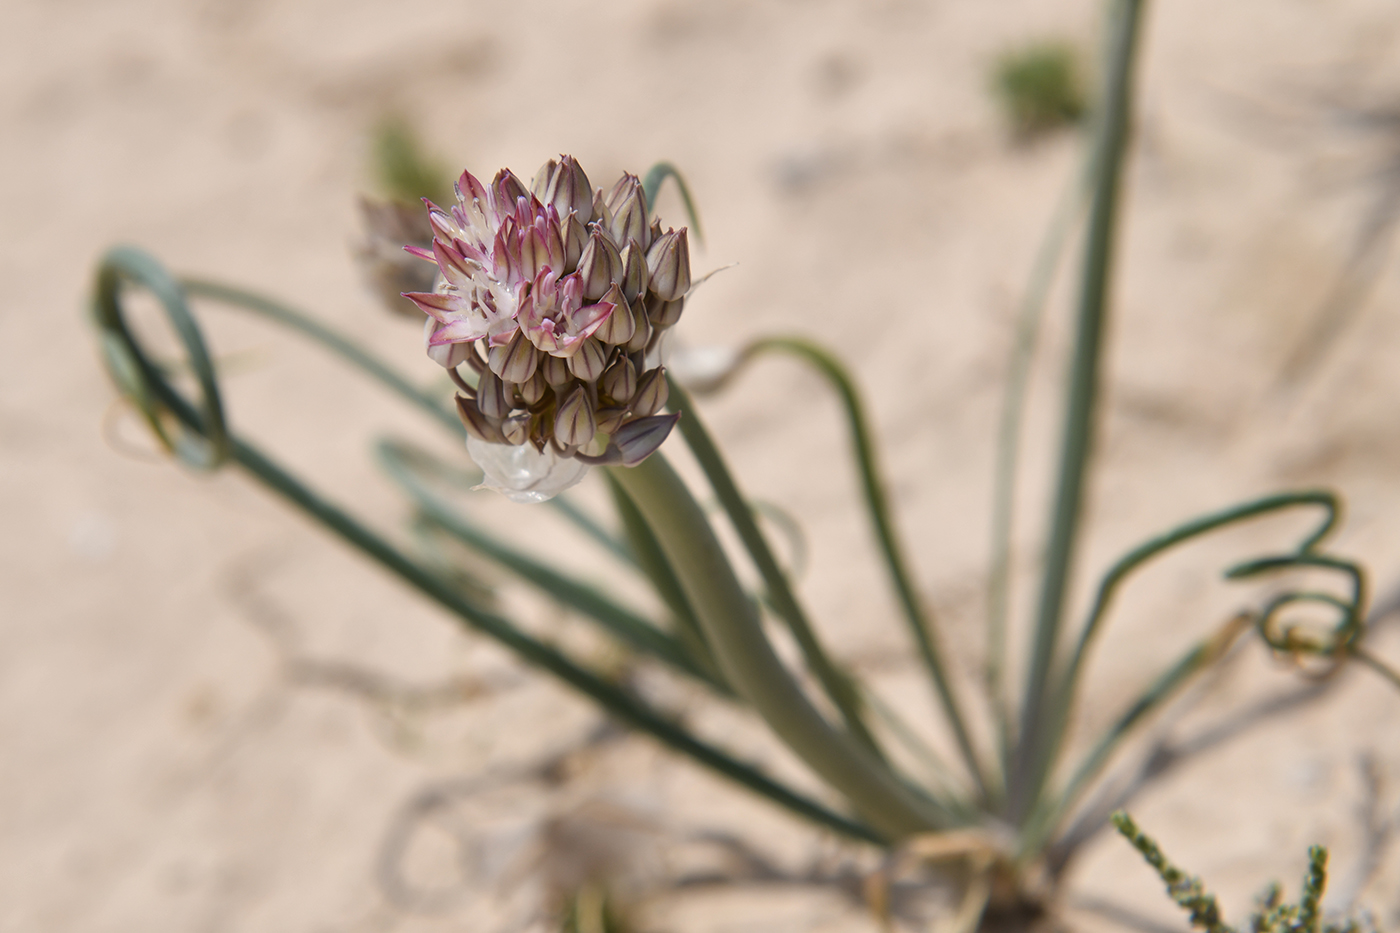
(559, 300)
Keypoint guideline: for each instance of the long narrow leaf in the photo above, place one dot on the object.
(377, 369)
(651, 186)
(1029, 764)
(653, 562)
(834, 681)
(205, 420)
(407, 465)
(1163, 689)
(916, 614)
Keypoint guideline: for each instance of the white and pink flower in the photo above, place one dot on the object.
(549, 290)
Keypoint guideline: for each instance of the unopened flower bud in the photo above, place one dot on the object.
(570, 190)
(668, 261)
(540, 184)
(555, 370)
(610, 418)
(494, 396)
(641, 333)
(619, 326)
(639, 439)
(621, 188)
(601, 214)
(575, 235)
(619, 381)
(634, 269)
(599, 266)
(574, 424)
(516, 361)
(533, 389)
(629, 212)
(664, 314)
(476, 423)
(588, 361)
(509, 189)
(534, 253)
(651, 395)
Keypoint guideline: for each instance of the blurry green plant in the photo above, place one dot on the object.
(1271, 915)
(1009, 808)
(1040, 87)
(402, 169)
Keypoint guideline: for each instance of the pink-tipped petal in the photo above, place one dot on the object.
(438, 306)
(457, 331)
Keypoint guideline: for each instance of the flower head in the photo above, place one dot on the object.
(559, 298)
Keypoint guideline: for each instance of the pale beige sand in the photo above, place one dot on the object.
(158, 771)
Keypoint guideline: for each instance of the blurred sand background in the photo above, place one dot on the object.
(171, 758)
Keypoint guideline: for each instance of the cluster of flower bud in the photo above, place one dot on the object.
(559, 297)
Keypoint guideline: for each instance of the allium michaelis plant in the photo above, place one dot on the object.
(560, 300)
(549, 310)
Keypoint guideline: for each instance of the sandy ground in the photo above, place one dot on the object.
(165, 766)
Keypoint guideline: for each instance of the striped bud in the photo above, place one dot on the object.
(610, 418)
(494, 396)
(533, 389)
(634, 269)
(570, 190)
(664, 314)
(508, 189)
(619, 381)
(668, 261)
(516, 361)
(619, 326)
(639, 439)
(601, 215)
(540, 183)
(629, 211)
(574, 423)
(534, 253)
(476, 423)
(575, 236)
(588, 361)
(555, 370)
(651, 394)
(599, 266)
(641, 333)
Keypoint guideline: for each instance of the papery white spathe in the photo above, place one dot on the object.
(523, 474)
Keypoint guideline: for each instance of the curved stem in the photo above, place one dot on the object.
(735, 634)
(1065, 682)
(374, 367)
(651, 185)
(920, 620)
(337, 343)
(134, 372)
